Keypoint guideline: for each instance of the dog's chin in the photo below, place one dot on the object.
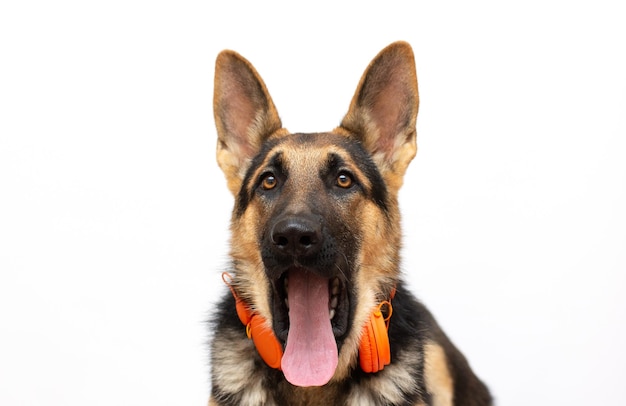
(338, 304)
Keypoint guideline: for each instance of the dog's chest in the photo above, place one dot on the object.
(393, 386)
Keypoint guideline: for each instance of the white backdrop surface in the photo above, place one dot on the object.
(114, 215)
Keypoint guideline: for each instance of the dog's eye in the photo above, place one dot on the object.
(344, 180)
(269, 181)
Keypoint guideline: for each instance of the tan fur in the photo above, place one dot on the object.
(438, 379)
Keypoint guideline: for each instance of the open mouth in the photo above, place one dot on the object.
(332, 303)
(338, 303)
(311, 315)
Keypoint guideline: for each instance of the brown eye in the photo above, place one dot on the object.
(269, 182)
(344, 180)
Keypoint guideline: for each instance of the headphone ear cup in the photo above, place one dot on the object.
(374, 352)
(368, 359)
(266, 342)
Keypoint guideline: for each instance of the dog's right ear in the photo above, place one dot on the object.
(245, 115)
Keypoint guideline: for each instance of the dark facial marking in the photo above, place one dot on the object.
(249, 184)
(378, 190)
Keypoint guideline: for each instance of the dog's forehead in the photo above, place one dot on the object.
(306, 150)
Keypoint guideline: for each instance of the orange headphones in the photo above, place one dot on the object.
(374, 351)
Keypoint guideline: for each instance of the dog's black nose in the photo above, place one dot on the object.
(296, 236)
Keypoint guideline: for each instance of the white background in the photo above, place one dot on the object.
(114, 215)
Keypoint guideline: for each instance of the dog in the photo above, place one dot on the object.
(316, 311)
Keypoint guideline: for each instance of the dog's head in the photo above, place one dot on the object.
(315, 227)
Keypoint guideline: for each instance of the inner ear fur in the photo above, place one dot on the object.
(383, 111)
(245, 115)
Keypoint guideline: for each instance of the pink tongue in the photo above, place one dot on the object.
(310, 357)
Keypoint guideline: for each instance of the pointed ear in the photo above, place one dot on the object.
(383, 111)
(245, 115)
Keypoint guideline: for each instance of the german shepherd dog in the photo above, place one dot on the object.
(316, 312)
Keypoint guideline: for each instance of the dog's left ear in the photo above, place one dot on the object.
(383, 111)
(245, 115)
